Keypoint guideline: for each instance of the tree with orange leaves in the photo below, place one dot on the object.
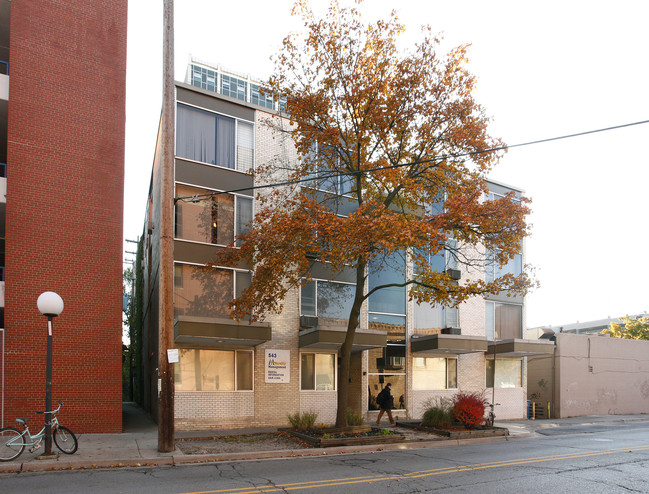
(384, 137)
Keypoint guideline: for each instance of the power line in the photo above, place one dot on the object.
(196, 197)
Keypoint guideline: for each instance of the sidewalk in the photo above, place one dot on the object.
(138, 444)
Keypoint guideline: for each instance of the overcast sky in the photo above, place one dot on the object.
(544, 69)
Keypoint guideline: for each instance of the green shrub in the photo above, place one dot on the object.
(303, 421)
(437, 417)
(354, 417)
(468, 409)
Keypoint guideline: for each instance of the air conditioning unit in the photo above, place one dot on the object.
(308, 322)
(455, 274)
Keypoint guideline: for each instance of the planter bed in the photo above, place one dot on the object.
(348, 436)
(456, 432)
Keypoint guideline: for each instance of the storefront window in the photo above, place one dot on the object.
(376, 383)
(213, 370)
(508, 373)
(387, 365)
(318, 371)
(434, 373)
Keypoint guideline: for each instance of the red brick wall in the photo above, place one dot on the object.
(65, 170)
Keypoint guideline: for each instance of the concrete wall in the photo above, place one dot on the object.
(600, 375)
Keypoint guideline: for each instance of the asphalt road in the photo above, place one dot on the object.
(592, 459)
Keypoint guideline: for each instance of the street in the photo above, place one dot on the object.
(593, 459)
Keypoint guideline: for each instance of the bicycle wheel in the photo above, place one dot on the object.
(65, 440)
(11, 443)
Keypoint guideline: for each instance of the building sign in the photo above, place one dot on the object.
(278, 366)
(172, 355)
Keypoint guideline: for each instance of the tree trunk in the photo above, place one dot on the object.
(346, 349)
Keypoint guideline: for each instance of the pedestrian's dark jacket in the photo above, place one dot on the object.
(385, 399)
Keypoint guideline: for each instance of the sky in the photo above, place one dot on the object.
(544, 69)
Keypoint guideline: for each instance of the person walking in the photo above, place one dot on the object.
(385, 400)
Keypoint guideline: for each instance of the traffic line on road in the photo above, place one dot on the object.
(415, 475)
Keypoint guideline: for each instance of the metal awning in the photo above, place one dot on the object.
(215, 332)
(332, 338)
(439, 344)
(520, 348)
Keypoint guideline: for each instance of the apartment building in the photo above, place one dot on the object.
(62, 113)
(238, 374)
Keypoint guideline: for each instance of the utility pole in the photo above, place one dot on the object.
(165, 325)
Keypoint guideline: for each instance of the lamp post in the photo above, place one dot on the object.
(50, 304)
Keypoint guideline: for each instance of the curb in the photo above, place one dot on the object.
(57, 465)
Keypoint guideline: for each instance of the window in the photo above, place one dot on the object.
(390, 270)
(494, 196)
(207, 292)
(326, 176)
(508, 373)
(434, 373)
(503, 321)
(318, 371)
(210, 138)
(257, 98)
(203, 78)
(327, 299)
(493, 271)
(245, 146)
(233, 87)
(213, 370)
(215, 219)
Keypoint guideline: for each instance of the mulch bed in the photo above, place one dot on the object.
(271, 441)
(348, 436)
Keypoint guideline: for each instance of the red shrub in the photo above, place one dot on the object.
(468, 409)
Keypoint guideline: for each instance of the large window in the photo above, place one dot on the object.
(261, 96)
(503, 321)
(434, 373)
(234, 87)
(318, 371)
(216, 219)
(327, 299)
(204, 78)
(213, 370)
(326, 176)
(493, 271)
(215, 139)
(509, 373)
(206, 292)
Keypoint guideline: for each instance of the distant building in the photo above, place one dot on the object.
(62, 113)
(233, 374)
(587, 327)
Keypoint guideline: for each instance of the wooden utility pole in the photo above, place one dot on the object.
(166, 314)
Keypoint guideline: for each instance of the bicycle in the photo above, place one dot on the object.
(491, 417)
(13, 441)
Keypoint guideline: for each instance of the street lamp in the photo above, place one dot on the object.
(50, 304)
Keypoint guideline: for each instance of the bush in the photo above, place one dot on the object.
(468, 409)
(354, 417)
(437, 417)
(303, 421)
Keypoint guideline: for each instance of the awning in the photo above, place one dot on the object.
(214, 332)
(520, 348)
(440, 344)
(332, 338)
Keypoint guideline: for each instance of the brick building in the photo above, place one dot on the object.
(62, 153)
(233, 374)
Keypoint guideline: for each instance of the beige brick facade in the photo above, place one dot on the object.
(270, 403)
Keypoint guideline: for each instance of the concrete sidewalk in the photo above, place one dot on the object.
(138, 445)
